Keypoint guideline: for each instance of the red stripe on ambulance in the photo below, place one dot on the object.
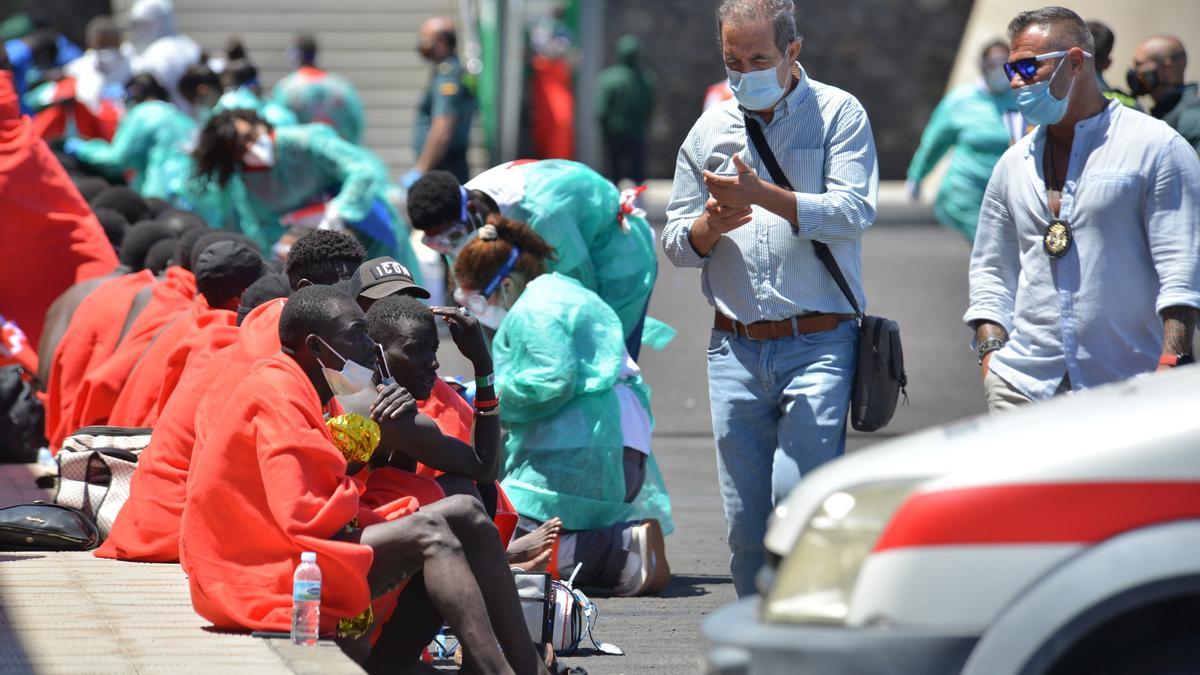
(1050, 513)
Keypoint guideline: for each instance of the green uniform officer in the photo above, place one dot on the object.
(443, 125)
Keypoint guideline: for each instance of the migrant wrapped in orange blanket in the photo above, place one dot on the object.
(268, 485)
(456, 418)
(89, 340)
(100, 388)
(147, 529)
(156, 373)
(53, 239)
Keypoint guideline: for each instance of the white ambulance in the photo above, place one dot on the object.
(1061, 538)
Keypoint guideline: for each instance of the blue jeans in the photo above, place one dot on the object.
(779, 411)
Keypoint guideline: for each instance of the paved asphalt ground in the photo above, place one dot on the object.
(915, 274)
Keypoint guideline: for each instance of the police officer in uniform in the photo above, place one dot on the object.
(444, 115)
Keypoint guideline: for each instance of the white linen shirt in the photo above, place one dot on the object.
(1132, 201)
(761, 271)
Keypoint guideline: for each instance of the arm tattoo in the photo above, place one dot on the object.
(987, 329)
(1179, 324)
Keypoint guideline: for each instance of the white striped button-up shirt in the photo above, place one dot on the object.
(762, 271)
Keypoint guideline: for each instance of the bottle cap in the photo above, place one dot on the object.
(308, 556)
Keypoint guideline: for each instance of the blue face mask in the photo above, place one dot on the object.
(757, 89)
(1038, 105)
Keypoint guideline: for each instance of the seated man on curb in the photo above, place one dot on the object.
(147, 528)
(407, 331)
(275, 453)
(223, 271)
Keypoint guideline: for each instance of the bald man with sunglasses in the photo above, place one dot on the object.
(1084, 269)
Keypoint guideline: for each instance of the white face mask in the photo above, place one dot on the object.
(260, 155)
(492, 316)
(353, 386)
(757, 89)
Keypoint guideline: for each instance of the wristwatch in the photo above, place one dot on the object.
(987, 346)
(1174, 360)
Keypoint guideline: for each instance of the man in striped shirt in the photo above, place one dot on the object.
(782, 352)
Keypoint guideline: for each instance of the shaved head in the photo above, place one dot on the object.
(437, 39)
(437, 24)
(1160, 60)
(1163, 48)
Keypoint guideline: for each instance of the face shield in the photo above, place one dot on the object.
(451, 240)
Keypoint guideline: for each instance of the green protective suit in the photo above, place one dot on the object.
(152, 140)
(558, 353)
(311, 162)
(242, 98)
(971, 121)
(316, 96)
(575, 210)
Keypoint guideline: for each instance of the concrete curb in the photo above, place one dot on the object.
(72, 612)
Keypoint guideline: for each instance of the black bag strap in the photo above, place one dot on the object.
(820, 248)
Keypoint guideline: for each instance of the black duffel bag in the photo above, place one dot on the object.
(46, 527)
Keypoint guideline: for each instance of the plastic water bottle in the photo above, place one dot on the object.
(306, 600)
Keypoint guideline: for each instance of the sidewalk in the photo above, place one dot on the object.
(893, 207)
(75, 613)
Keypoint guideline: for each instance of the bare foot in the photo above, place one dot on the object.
(538, 564)
(534, 545)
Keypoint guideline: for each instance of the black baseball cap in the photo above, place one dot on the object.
(225, 268)
(380, 277)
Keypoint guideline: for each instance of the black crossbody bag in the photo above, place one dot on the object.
(879, 377)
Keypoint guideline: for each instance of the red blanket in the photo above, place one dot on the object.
(100, 388)
(89, 340)
(157, 372)
(269, 485)
(51, 238)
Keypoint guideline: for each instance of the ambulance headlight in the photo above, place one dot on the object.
(815, 581)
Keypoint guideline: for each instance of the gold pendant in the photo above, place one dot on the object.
(1057, 241)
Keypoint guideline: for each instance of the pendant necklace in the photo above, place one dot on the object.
(1057, 240)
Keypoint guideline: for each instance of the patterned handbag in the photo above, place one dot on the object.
(95, 469)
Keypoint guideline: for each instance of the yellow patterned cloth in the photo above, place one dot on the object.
(355, 435)
(357, 626)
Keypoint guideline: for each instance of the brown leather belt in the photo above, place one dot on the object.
(773, 330)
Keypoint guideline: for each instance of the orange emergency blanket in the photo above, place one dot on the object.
(90, 338)
(51, 238)
(101, 387)
(155, 375)
(455, 417)
(147, 528)
(268, 485)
